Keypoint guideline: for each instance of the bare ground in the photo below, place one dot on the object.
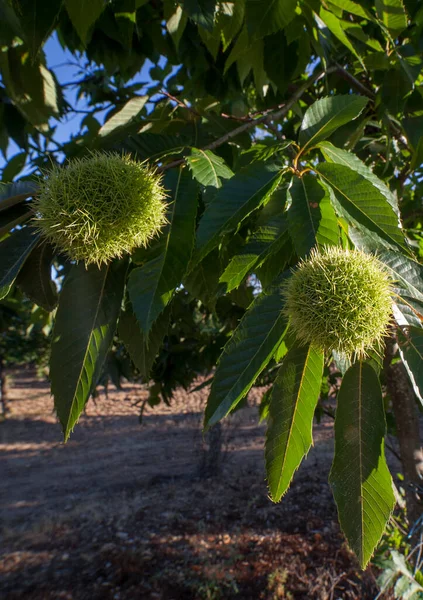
(120, 512)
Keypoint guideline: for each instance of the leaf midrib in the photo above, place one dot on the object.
(100, 298)
(164, 254)
(300, 386)
(203, 250)
(217, 181)
(361, 458)
(358, 207)
(310, 141)
(246, 367)
(308, 209)
(4, 283)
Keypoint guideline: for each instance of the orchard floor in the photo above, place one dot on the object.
(120, 513)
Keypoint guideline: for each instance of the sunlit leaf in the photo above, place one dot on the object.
(86, 319)
(312, 220)
(324, 116)
(360, 479)
(410, 341)
(267, 239)
(125, 116)
(247, 190)
(357, 200)
(249, 350)
(208, 168)
(290, 417)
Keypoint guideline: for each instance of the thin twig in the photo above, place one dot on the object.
(274, 116)
(354, 82)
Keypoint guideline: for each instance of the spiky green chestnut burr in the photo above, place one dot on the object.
(340, 300)
(100, 207)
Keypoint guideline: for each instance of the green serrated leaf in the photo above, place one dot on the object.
(152, 285)
(312, 220)
(406, 275)
(125, 116)
(247, 190)
(207, 168)
(176, 20)
(410, 341)
(84, 14)
(357, 200)
(10, 26)
(413, 127)
(86, 319)
(267, 16)
(348, 159)
(267, 240)
(35, 280)
(37, 19)
(201, 12)
(229, 21)
(337, 27)
(249, 350)
(353, 8)
(31, 86)
(360, 479)
(392, 14)
(293, 402)
(142, 350)
(264, 405)
(324, 116)
(202, 282)
(14, 251)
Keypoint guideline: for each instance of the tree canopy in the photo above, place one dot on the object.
(279, 127)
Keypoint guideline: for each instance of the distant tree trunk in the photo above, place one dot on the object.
(408, 431)
(211, 459)
(3, 390)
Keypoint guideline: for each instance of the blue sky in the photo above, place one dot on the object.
(67, 70)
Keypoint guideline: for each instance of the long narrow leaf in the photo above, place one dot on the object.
(245, 191)
(249, 350)
(208, 168)
(312, 220)
(152, 286)
(410, 343)
(406, 276)
(86, 319)
(16, 215)
(361, 203)
(35, 279)
(14, 193)
(360, 479)
(291, 411)
(14, 251)
(348, 159)
(142, 350)
(324, 116)
(267, 239)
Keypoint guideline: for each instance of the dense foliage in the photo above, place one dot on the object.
(280, 126)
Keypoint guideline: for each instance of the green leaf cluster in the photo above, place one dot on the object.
(285, 130)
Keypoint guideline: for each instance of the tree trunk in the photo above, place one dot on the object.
(407, 423)
(211, 458)
(3, 391)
